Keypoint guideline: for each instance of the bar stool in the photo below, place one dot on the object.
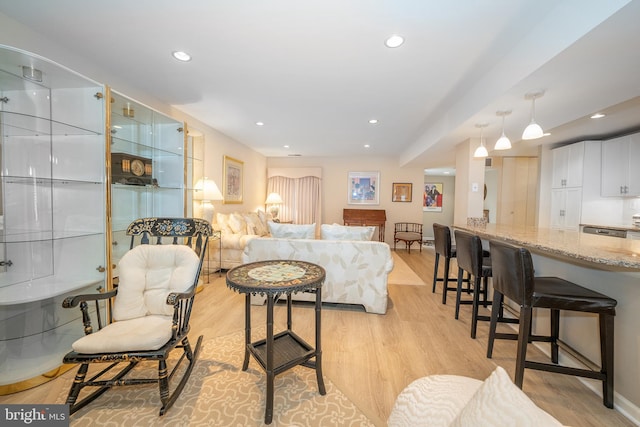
(470, 259)
(473, 259)
(444, 248)
(513, 277)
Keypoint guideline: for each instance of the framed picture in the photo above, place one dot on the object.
(432, 197)
(401, 192)
(363, 188)
(233, 180)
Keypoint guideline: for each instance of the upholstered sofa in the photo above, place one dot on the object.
(457, 401)
(236, 229)
(357, 270)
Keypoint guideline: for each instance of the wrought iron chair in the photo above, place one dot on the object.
(148, 312)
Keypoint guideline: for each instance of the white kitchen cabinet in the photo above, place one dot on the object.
(566, 206)
(568, 166)
(620, 174)
(52, 209)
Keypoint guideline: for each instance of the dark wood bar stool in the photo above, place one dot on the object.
(444, 248)
(477, 263)
(470, 259)
(513, 277)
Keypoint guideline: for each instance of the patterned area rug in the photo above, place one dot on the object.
(219, 393)
(402, 274)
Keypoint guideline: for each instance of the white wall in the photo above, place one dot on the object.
(335, 186)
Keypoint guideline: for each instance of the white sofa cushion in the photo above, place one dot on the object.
(142, 333)
(292, 231)
(255, 226)
(222, 223)
(432, 401)
(237, 224)
(148, 274)
(345, 232)
(499, 402)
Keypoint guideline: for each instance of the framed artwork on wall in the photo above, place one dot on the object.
(432, 197)
(233, 180)
(402, 192)
(363, 188)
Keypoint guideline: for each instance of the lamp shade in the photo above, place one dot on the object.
(273, 199)
(503, 143)
(533, 131)
(207, 189)
(481, 151)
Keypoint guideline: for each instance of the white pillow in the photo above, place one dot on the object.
(292, 231)
(237, 223)
(254, 224)
(222, 221)
(344, 232)
(499, 402)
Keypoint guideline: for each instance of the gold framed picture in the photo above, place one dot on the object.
(402, 192)
(233, 180)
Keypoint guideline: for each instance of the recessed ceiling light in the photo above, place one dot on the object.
(597, 116)
(285, 146)
(181, 56)
(394, 41)
(367, 146)
(259, 123)
(373, 121)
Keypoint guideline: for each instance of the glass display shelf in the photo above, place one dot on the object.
(43, 236)
(8, 179)
(21, 124)
(120, 145)
(38, 336)
(43, 288)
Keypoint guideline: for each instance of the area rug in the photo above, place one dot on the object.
(402, 274)
(219, 393)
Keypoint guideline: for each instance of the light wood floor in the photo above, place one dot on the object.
(371, 357)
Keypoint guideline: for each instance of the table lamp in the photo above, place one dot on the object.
(274, 200)
(207, 191)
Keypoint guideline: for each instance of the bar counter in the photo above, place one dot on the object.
(609, 265)
(604, 252)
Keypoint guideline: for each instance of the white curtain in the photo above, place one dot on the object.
(300, 196)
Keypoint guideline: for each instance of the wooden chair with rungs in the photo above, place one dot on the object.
(409, 233)
(148, 312)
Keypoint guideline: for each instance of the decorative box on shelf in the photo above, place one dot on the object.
(131, 170)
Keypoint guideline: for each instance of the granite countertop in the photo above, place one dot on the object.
(604, 252)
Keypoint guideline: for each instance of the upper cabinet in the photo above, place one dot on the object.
(52, 208)
(620, 174)
(568, 164)
(566, 187)
(147, 167)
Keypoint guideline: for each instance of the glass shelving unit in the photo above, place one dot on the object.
(52, 209)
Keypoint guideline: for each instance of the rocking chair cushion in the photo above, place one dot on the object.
(141, 334)
(148, 274)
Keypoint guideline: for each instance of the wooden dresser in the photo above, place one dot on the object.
(366, 217)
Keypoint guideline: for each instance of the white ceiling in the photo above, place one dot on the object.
(316, 71)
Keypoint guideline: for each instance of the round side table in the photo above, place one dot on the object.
(284, 350)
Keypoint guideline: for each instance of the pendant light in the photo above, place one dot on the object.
(533, 130)
(481, 151)
(503, 143)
